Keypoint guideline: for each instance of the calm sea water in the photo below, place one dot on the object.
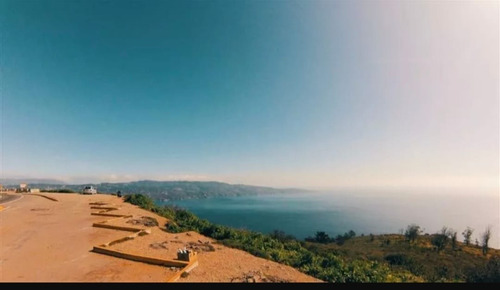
(336, 212)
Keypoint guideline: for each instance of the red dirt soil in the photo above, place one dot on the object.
(48, 241)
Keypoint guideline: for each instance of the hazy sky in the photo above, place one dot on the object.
(278, 93)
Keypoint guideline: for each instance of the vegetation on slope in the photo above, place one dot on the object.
(277, 247)
(421, 257)
(384, 258)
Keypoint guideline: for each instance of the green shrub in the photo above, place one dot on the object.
(276, 246)
(412, 232)
(487, 273)
(398, 259)
(141, 200)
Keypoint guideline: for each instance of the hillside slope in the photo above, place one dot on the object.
(51, 241)
(347, 258)
(420, 257)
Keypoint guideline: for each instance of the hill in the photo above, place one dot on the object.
(173, 190)
(420, 257)
(38, 181)
(348, 258)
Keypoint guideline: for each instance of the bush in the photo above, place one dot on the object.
(412, 232)
(276, 246)
(440, 240)
(467, 233)
(397, 259)
(488, 273)
(281, 236)
(485, 238)
(322, 237)
(141, 200)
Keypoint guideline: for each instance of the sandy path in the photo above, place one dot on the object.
(42, 240)
(7, 198)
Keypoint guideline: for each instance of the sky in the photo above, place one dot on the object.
(275, 93)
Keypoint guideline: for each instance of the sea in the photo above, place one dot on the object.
(366, 211)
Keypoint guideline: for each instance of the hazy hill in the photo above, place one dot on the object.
(174, 190)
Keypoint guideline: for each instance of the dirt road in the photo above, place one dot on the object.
(51, 241)
(5, 198)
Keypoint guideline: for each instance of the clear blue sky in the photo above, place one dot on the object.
(279, 93)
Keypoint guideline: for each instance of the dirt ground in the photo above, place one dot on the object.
(47, 241)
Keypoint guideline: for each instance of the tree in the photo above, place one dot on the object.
(453, 236)
(485, 238)
(322, 237)
(467, 233)
(440, 240)
(281, 236)
(340, 240)
(412, 232)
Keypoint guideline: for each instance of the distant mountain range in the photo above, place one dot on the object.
(17, 181)
(165, 190)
